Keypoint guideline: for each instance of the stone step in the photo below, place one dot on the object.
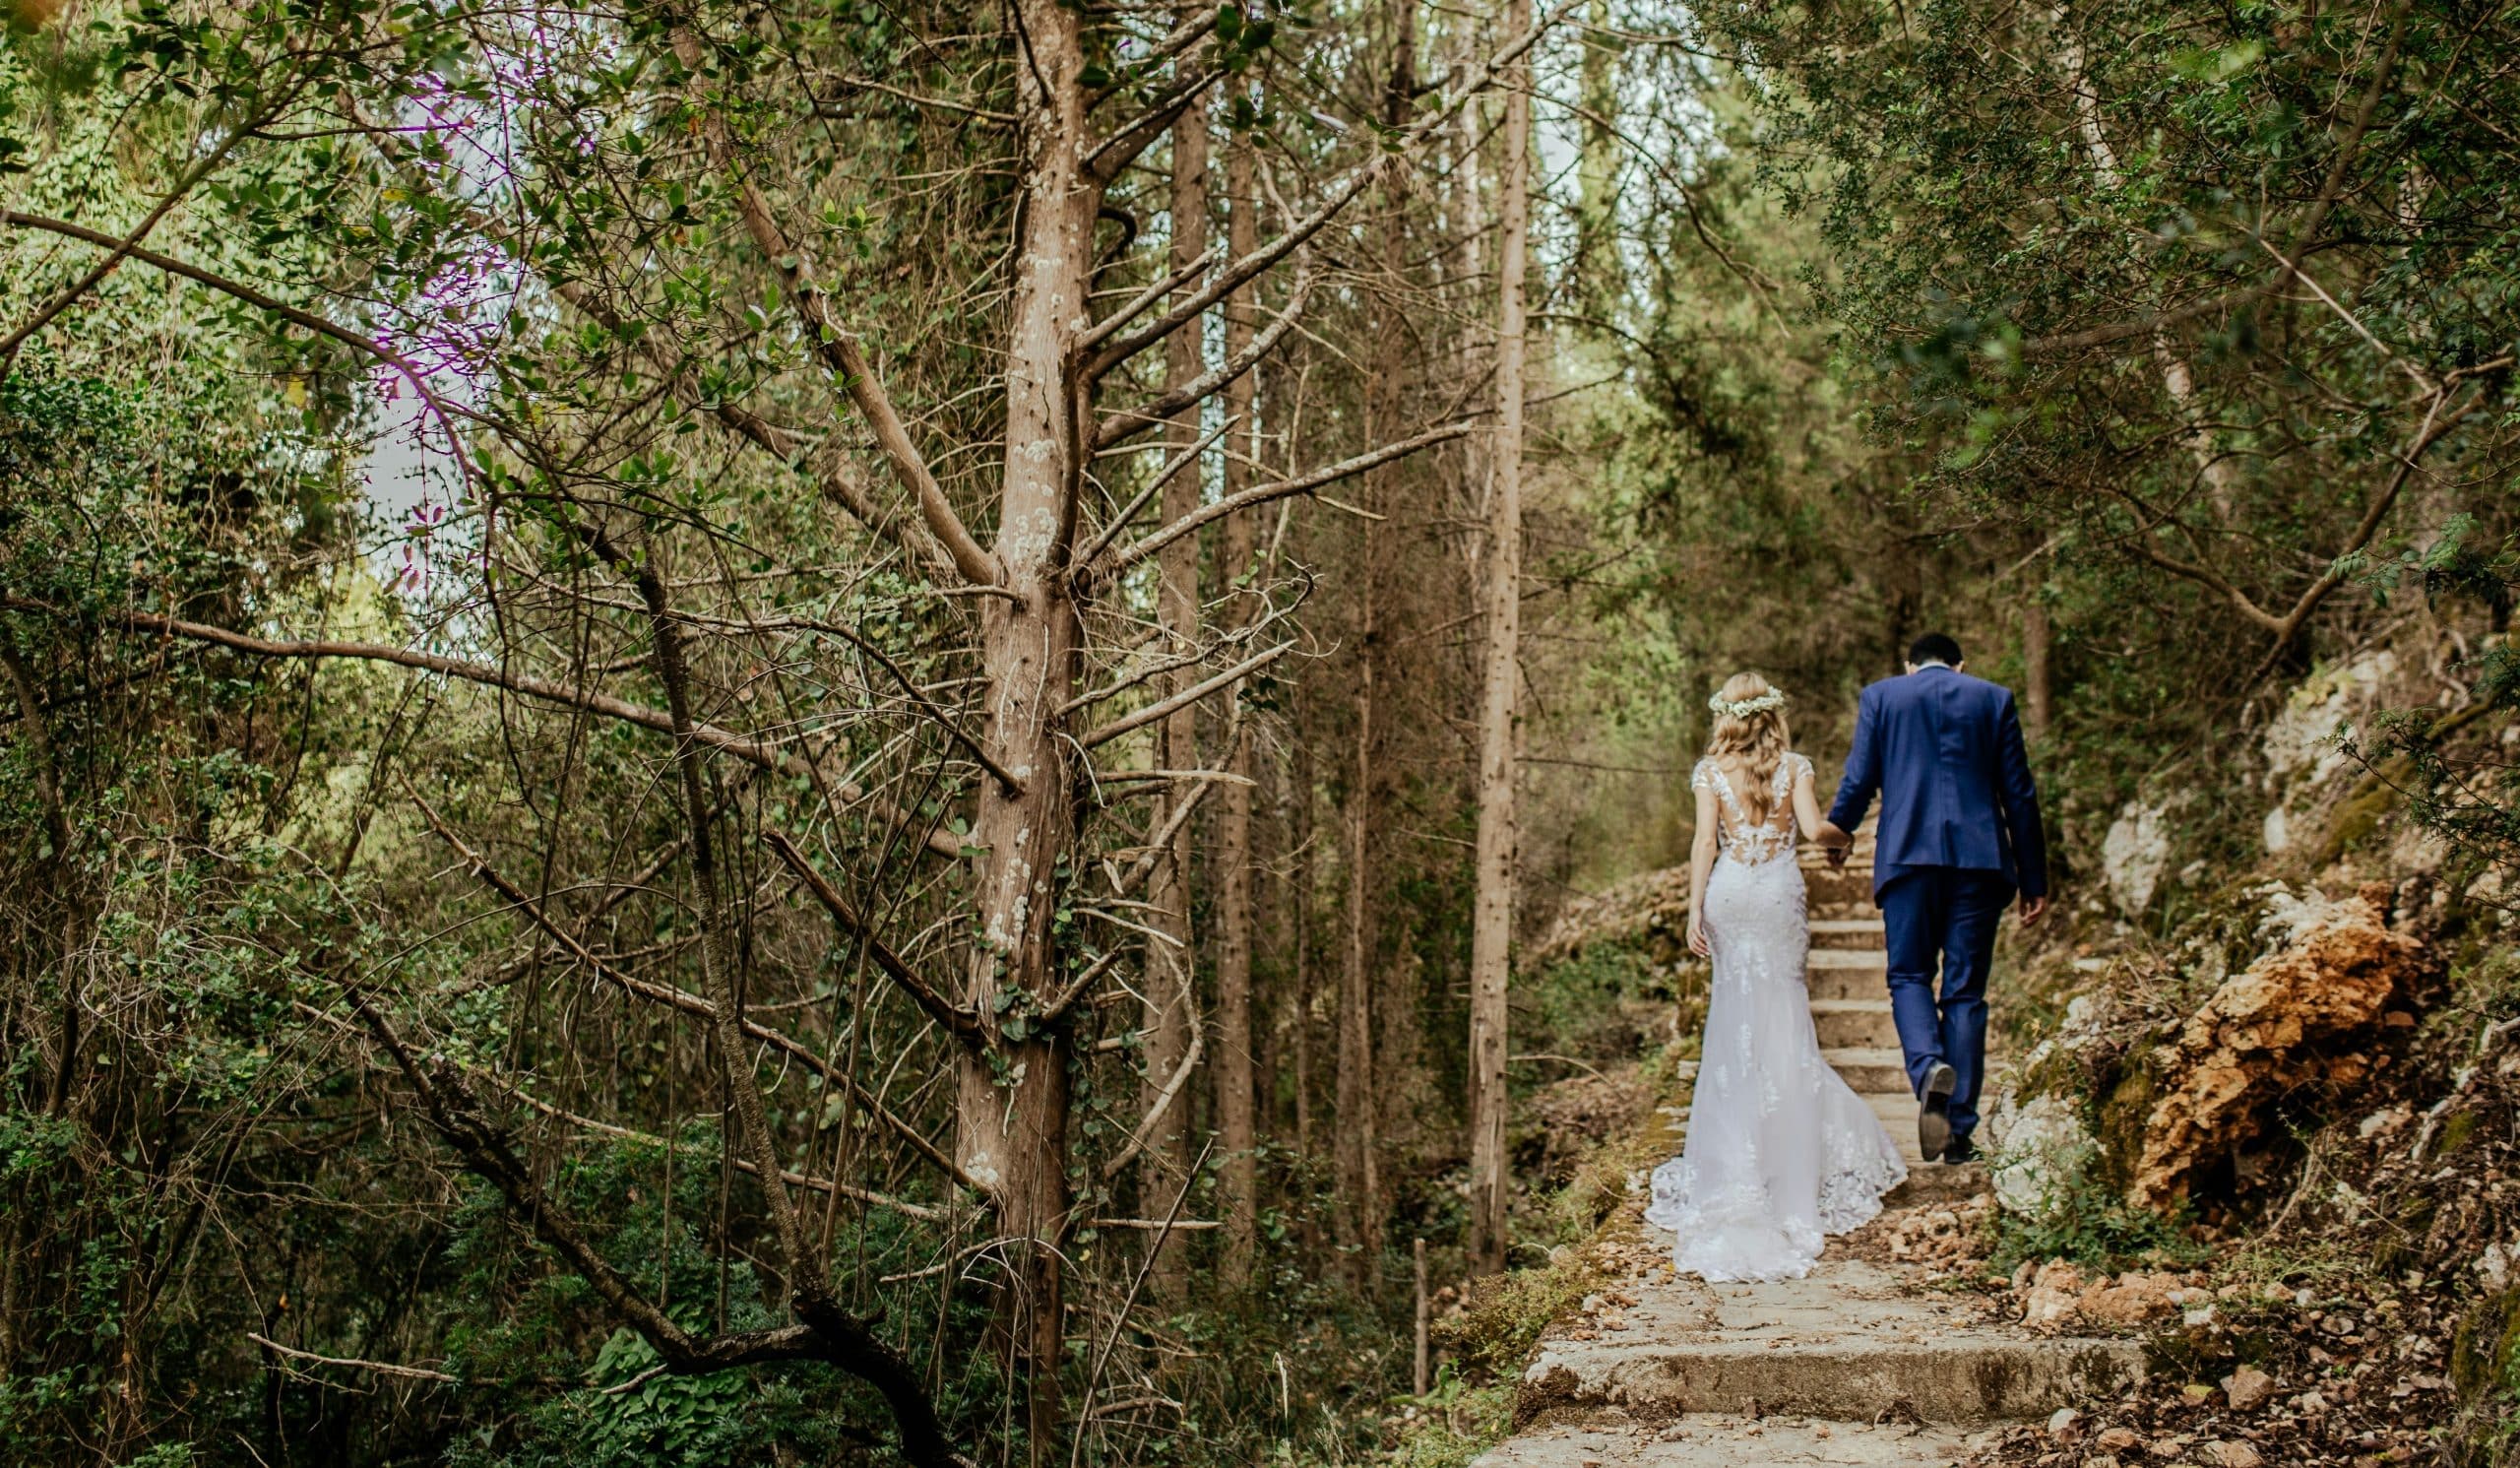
(1846, 933)
(1846, 1344)
(1615, 1439)
(1928, 1182)
(1872, 959)
(1868, 1068)
(1851, 885)
(1854, 1022)
(1846, 974)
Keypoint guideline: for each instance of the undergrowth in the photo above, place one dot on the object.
(2085, 1222)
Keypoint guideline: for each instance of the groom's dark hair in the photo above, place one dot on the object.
(1933, 647)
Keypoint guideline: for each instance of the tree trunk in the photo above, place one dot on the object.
(1013, 1096)
(1598, 284)
(1236, 1133)
(1170, 1003)
(1359, 1103)
(2038, 660)
(1354, 1101)
(1470, 241)
(1492, 915)
(1300, 968)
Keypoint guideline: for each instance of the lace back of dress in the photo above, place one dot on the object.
(1749, 845)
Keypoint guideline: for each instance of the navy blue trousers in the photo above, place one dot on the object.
(1943, 917)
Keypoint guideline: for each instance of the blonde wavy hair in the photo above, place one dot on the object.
(1758, 735)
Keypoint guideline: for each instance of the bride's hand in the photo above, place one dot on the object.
(1697, 939)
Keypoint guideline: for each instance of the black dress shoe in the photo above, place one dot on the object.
(1934, 1116)
(1959, 1150)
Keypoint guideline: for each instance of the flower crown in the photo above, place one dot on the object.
(1743, 708)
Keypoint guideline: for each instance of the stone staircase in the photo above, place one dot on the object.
(1848, 976)
(1849, 1366)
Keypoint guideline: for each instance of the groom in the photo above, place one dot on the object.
(1960, 838)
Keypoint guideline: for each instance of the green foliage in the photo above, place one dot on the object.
(1507, 1314)
(2084, 1220)
(1452, 1425)
(1593, 1005)
(632, 1415)
(2461, 788)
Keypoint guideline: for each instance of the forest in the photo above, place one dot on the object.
(881, 731)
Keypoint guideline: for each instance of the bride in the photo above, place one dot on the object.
(1781, 1152)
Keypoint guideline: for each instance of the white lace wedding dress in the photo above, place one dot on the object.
(1781, 1152)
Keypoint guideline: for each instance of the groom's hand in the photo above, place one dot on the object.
(2031, 909)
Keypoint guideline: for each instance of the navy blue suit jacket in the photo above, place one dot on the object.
(1943, 751)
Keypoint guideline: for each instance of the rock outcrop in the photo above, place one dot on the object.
(2288, 1021)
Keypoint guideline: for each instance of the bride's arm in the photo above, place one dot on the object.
(1807, 810)
(1701, 863)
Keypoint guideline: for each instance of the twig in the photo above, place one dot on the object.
(1159, 710)
(381, 1368)
(960, 1022)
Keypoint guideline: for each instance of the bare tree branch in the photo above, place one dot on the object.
(953, 1018)
(1153, 712)
(754, 751)
(1120, 426)
(1258, 494)
(838, 347)
(381, 1368)
(687, 1001)
(1116, 152)
(1359, 179)
(1162, 476)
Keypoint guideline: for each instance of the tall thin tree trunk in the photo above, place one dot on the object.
(1492, 914)
(1597, 238)
(1359, 1140)
(1357, 1185)
(1171, 991)
(2037, 657)
(1013, 1095)
(1470, 239)
(1236, 1133)
(1301, 976)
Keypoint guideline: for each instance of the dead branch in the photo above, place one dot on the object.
(838, 347)
(1116, 426)
(1116, 153)
(381, 1368)
(688, 1002)
(1260, 494)
(1162, 476)
(752, 752)
(1358, 179)
(955, 1019)
(1156, 711)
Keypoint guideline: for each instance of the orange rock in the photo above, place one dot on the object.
(2133, 1300)
(2274, 1028)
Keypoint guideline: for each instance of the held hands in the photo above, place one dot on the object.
(1839, 843)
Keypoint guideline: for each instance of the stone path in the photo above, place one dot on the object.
(1851, 1365)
